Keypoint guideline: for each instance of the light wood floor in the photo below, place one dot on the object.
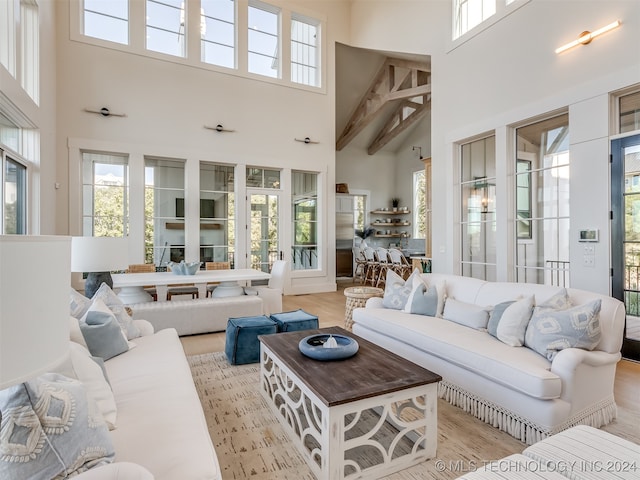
(330, 310)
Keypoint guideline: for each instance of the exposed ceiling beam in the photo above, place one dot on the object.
(397, 80)
(398, 122)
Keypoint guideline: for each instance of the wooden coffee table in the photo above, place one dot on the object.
(363, 417)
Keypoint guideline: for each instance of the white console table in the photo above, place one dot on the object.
(131, 285)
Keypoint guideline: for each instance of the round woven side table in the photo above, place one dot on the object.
(356, 298)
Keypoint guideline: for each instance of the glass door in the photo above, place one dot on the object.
(263, 227)
(625, 241)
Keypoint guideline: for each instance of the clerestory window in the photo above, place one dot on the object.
(264, 40)
(305, 36)
(107, 20)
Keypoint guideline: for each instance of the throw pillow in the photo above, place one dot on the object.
(467, 314)
(75, 334)
(559, 301)
(89, 372)
(102, 333)
(426, 300)
(496, 315)
(51, 429)
(550, 331)
(114, 303)
(397, 290)
(513, 324)
(78, 303)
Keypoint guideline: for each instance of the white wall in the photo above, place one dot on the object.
(167, 105)
(509, 73)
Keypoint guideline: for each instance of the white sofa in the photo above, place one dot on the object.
(512, 388)
(190, 317)
(161, 432)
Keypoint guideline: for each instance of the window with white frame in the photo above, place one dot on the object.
(164, 209)
(470, 13)
(305, 35)
(304, 209)
(166, 25)
(217, 213)
(263, 41)
(218, 32)
(105, 195)
(106, 20)
(14, 206)
(542, 202)
(8, 36)
(30, 49)
(478, 215)
(629, 112)
(419, 205)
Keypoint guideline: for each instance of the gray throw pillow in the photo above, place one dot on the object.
(103, 335)
(425, 301)
(496, 315)
(51, 430)
(550, 331)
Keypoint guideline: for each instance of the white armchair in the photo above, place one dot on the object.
(271, 294)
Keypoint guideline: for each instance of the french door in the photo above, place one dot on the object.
(625, 232)
(263, 229)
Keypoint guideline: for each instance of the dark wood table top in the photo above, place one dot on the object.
(371, 372)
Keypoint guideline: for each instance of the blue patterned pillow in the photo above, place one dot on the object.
(550, 331)
(397, 290)
(51, 429)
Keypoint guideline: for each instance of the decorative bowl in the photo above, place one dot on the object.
(183, 268)
(313, 347)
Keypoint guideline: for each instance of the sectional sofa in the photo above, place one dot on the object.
(526, 393)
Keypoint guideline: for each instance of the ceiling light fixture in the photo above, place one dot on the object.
(585, 37)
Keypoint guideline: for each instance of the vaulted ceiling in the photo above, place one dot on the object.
(380, 97)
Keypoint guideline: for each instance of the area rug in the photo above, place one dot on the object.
(251, 444)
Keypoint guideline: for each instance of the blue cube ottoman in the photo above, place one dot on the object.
(241, 343)
(295, 321)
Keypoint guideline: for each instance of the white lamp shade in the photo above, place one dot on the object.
(34, 305)
(99, 254)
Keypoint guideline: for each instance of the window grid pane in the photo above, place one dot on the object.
(263, 41)
(105, 203)
(542, 203)
(15, 198)
(218, 32)
(304, 53)
(217, 222)
(164, 229)
(304, 209)
(166, 27)
(107, 20)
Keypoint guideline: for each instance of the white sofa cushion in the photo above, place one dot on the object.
(513, 323)
(161, 425)
(467, 314)
(520, 369)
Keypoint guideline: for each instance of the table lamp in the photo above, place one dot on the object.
(34, 306)
(98, 256)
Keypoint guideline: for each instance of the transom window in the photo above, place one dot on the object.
(218, 32)
(629, 116)
(263, 40)
(166, 26)
(107, 20)
(263, 178)
(304, 51)
(469, 13)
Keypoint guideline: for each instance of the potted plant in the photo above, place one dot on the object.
(364, 234)
(394, 203)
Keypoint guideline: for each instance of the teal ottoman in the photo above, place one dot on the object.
(241, 342)
(295, 321)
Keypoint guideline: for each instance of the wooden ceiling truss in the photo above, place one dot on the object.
(403, 82)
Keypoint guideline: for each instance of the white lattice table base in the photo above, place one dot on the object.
(367, 438)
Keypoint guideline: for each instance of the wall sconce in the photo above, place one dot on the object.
(585, 37)
(306, 140)
(105, 112)
(218, 128)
